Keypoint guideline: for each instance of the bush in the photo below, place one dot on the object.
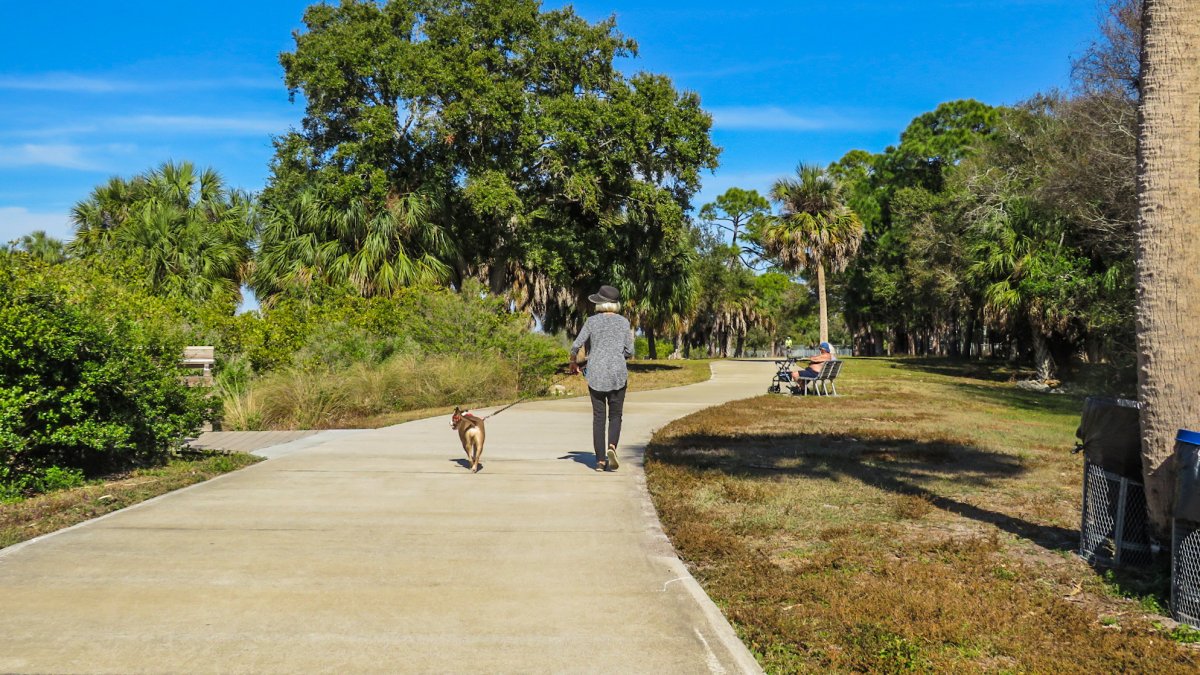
(43, 480)
(318, 366)
(89, 375)
(641, 348)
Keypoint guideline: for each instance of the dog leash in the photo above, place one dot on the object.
(526, 396)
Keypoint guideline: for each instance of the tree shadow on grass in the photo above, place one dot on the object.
(642, 367)
(1083, 379)
(992, 371)
(898, 466)
(1020, 399)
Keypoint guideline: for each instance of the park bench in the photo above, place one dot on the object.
(199, 361)
(823, 382)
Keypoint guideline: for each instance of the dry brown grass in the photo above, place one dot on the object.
(923, 522)
(33, 517)
(405, 390)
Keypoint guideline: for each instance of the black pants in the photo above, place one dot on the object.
(615, 402)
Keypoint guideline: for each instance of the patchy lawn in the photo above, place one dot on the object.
(35, 516)
(924, 521)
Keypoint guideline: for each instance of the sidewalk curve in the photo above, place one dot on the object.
(377, 551)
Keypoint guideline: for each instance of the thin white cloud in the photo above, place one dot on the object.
(169, 124)
(199, 124)
(775, 118)
(63, 82)
(61, 155)
(83, 84)
(17, 221)
(51, 132)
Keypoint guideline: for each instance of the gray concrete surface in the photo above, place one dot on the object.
(246, 441)
(377, 551)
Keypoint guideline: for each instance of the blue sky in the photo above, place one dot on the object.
(89, 90)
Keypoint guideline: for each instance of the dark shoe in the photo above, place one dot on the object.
(612, 458)
(601, 466)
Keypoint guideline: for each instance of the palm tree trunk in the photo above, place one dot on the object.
(823, 303)
(651, 347)
(498, 277)
(1043, 359)
(1168, 249)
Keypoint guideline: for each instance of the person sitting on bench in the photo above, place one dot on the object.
(814, 365)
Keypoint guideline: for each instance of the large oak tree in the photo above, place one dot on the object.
(536, 157)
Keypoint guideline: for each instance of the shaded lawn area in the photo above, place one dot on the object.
(924, 521)
(32, 517)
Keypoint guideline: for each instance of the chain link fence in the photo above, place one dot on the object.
(1185, 572)
(1115, 528)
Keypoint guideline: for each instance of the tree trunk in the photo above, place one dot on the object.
(1168, 243)
(498, 277)
(651, 347)
(824, 305)
(676, 346)
(1043, 358)
(741, 342)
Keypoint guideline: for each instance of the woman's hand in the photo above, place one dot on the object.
(573, 369)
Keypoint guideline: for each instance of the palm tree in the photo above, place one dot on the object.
(188, 232)
(375, 251)
(1168, 249)
(661, 289)
(42, 246)
(815, 229)
(1023, 271)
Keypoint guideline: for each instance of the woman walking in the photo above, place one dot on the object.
(609, 342)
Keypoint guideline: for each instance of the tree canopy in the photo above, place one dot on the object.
(190, 234)
(536, 158)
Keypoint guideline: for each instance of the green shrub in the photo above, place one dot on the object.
(89, 375)
(641, 347)
(42, 480)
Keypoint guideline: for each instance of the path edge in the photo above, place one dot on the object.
(664, 552)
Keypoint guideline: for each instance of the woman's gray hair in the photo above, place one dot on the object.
(608, 307)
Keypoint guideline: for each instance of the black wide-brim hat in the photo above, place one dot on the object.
(605, 294)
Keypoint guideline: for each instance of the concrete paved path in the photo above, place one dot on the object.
(246, 441)
(377, 551)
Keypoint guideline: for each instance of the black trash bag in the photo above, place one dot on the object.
(1110, 435)
(1187, 476)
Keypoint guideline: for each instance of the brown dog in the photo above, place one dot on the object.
(471, 433)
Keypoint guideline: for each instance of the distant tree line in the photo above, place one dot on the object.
(1004, 231)
(497, 142)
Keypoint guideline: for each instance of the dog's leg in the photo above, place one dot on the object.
(477, 453)
(476, 449)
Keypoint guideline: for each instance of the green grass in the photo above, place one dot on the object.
(25, 519)
(922, 522)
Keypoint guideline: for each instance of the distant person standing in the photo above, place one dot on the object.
(609, 342)
(787, 345)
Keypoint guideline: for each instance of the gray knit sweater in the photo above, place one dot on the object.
(609, 342)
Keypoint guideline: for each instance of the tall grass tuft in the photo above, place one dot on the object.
(325, 398)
